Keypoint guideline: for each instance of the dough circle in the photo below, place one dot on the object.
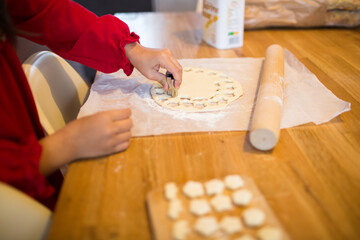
(201, 90)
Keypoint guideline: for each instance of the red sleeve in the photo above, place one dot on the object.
(20, 168)
(75, 33)
(20, 129)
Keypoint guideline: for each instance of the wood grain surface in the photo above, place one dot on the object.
(311, 179)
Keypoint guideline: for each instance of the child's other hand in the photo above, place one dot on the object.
(92, 136)
(148, 61)
(102, 133)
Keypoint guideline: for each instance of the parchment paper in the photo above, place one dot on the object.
(306, 99)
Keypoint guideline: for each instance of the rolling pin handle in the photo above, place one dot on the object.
(265, 126)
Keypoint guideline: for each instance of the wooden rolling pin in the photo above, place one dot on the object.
(265, 127)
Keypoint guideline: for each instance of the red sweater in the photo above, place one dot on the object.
(74, 33)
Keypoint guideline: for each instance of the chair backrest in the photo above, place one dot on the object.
(199, 6)
(22, 217)
(59, 91)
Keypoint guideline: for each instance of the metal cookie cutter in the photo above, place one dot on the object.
(172, 91)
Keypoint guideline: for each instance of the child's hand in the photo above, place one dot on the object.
(92, 136)
(102, 133)
(148, 61)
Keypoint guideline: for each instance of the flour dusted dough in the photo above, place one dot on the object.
(206, 226)
(253, 217)
(201, 90)
(193, 189)
(221, 203)
(233, 182)
(245, 237)
(242, 197)
(269, 233)
(175, 208)
(231, 224)
(170, 191)
(214, 186)
(199, 207)
(180, 230)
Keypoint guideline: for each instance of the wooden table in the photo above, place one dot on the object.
(311, 179)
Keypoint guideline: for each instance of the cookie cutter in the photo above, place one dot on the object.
(172, 91)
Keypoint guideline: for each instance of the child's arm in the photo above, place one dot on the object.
(74, 33)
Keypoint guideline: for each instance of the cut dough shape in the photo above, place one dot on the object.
(231, 225)
(193, 189)
(199, 207)
(253, 217)
(242, 197)
(187, 103)
(214, 186)
(269, 233)
(173, 103)
(221, 203)
(233, 182)
(206, 226)
(199, 86)
(184, 97)
(162, 98)
(175, 208)
(159, 91)
(170, 191)
(180, 230)
(245, 237)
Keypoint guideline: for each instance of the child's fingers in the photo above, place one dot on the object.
(178, 72)
(119, 114)
(159, 77)
(123, 125)
(169, 63)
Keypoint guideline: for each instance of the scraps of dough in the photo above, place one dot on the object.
(201, 90)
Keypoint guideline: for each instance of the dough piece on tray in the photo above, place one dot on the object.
(245, 237)
(206, 226)
(221, 203)
(242, 197)
(253, 217)
(214, 186)
(180, 230)
(170, 191)
(269, 233)
(193, 189)
(234, 182)
(201, 90)
(199, 207)
(175, 208)
(231, 225)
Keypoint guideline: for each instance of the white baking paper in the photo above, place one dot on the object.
(306, 99)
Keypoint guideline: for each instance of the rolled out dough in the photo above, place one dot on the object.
(201, 90)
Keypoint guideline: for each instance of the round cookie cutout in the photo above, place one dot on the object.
(201, 90)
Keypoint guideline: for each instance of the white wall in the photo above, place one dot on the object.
(174, 5)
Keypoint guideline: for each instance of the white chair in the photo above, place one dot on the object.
(59, 91)
(22, 217)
